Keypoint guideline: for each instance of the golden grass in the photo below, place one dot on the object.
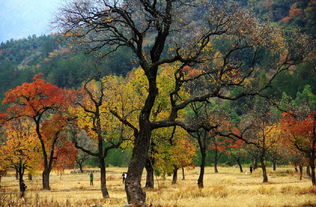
(225, 189)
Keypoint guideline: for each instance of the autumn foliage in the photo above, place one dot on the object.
(300, 135)
(44, 105)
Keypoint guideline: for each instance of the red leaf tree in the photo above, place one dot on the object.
(301, 135)
(44, 104)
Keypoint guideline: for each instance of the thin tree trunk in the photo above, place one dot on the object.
(312, 165)
(308, 171)
(239, 164)
(150, 174)
(301, 172)
(255, 164)
(201, 176)
(80, 167)
(30, 177)
(274, 165)
(216, 161)
(16, 174)
(295, 168)
(104, 190)
(183, 176)
(175, 175)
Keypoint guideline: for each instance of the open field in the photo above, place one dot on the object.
(227, 188)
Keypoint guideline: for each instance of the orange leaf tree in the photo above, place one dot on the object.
(43, 104)
(231, 147)
(21, 148)
(301, 134)
(65, 154)
(172, 149)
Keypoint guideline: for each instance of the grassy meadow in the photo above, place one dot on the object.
(226, 188)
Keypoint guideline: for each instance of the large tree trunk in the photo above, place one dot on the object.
(135, 194)
(301, 171)
(45, 179)
(175, 175)
(183, 175)
(150, 174)
(216, 161)
(20, 172)
(264, 170)
(201, 176)
(104, 190)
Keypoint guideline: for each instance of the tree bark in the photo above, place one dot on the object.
(45, 179)
(264, 170)
(313, 175)
(201, 176)
(239, 164)
(274, 165)
(20, 171)
(175, 175)
(150, 174)
(312, 166)
(183, 175)
(301, 172)
(216, 161)
(308, 171)
(16, 174)
(104, 190)
(135, 194)
(80, 167)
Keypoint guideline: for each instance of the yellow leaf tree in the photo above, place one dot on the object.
(21, 150)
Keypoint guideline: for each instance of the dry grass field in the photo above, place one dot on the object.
(227, 188)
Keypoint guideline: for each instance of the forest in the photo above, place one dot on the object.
(155, 88)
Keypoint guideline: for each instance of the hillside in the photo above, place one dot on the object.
(67, 67)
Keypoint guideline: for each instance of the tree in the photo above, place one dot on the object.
(172, 151)
(183, 153)
(233, 148)
(276, 152)
(20, 151)
(42, 103)
(301, 133)
(65, 157)
(83, 140)
(134, 23)
(260, 134)
(206, 123)
(92, 115)
(297, 159)
(257, 129)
